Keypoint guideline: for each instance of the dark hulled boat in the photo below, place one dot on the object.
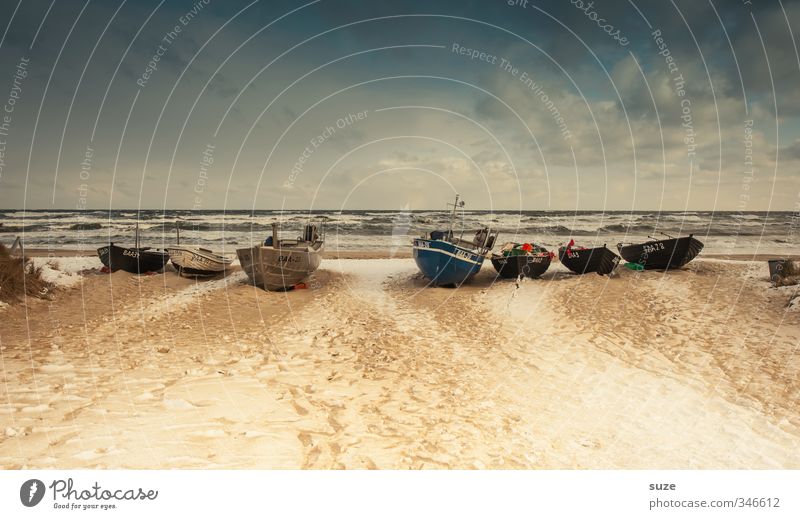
(583, 261)
(671, 253)
(136, 260)
(516, 260)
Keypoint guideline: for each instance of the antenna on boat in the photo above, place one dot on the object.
(455, 205)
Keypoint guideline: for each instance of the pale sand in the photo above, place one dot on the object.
(369, 368)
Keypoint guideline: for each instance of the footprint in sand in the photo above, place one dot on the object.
(589, 443)
(313, 456)
(302, 411)
(305, 439)
(368, 463)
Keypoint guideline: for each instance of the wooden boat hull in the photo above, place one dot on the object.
(529, 265)
(135, 261)
(667, 254)
(444, 263)
(582, 261)
(281, 268)
(196, 262)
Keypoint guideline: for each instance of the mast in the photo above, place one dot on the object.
(274, 235)
(453, 215)
(137, 234)
(178, 231)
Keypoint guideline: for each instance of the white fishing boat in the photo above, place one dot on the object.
(280, 264)
(196, 261)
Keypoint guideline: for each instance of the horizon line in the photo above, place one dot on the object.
(287, 210)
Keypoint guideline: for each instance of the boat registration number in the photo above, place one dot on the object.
(130, 253)
(653, 248)
(288, 259)
(463, 254)
(201, 260)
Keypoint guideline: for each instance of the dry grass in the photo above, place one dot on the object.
(18, 278)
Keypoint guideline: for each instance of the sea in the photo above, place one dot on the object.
(722, 232)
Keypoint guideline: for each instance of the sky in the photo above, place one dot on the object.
(369, 104)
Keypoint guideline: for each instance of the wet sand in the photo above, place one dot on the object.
(369, 368)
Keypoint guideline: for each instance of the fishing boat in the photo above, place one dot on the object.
(581, 260)
(450, 261)
(136, 260)
(669, 253)
(521, 259)
(281, 264)
(196, 261)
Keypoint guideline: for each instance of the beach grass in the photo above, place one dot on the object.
(19, 278)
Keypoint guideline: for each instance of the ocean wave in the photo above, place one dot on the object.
(23, 228)
(85, 226)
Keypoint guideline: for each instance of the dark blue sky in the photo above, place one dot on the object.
(371, 104)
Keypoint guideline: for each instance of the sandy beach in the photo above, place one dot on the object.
(370, 368)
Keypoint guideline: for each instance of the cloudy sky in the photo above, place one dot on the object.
(371, 104)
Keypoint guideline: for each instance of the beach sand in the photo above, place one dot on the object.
(369, 368)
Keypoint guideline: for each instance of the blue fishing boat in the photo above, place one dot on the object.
(448, 260)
